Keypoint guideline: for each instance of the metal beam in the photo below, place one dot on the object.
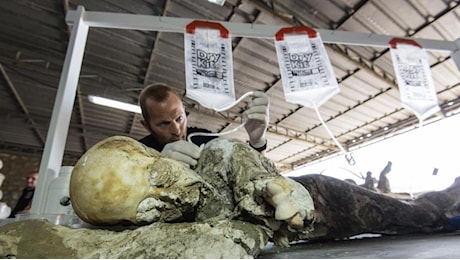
(177, 25)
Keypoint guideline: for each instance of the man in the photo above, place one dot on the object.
(25, 201)
(165, 119)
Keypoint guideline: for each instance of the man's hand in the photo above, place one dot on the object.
(258, 119)
(183, 151)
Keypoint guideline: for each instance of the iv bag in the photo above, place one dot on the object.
(306, 73)
(209, 64)
(414, 78)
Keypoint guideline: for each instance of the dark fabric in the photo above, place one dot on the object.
(150, 141)
(23, 202)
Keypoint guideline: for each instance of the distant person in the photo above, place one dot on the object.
(369, 182)
(25, 201)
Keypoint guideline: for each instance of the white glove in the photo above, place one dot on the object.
(258, 119)
(183, 151)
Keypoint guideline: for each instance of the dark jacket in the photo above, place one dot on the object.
(24, 201)
(150, 141)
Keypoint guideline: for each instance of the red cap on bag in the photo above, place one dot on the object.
(395, 41)
(297, 29)
(190, 28)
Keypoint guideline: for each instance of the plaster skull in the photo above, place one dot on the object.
(119, 179)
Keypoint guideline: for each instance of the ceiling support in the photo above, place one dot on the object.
(177, 25)
(84, 140)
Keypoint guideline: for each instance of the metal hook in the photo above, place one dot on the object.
(350, 159)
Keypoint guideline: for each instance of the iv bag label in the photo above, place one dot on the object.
(209, 68)
(306, 72)
(414, 79)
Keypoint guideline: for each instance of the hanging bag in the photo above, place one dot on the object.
(209, 69)
(209, 64)
(414, 78)
(307, 75)
(306, 72)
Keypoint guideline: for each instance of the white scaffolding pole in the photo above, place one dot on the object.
(59, 126)
(82, 21)
(177, 25)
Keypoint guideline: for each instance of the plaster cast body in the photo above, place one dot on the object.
(120, 179)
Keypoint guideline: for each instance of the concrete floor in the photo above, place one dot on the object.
(446, 245)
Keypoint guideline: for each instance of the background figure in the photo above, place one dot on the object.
(369, 182)
(25, 201)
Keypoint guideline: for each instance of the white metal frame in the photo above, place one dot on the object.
(82, 20)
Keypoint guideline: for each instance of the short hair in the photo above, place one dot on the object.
(32, 173)
(158, 92)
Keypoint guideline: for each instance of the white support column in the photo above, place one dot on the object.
(57, 133)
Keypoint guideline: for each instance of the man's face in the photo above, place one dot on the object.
(31, 180)
(167, 122)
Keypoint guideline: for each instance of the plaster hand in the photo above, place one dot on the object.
(278, 192)
(183, 151)
(258, 119)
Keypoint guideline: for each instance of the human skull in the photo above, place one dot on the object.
(119, 179)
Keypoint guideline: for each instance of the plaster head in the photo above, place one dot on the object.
(119, 179)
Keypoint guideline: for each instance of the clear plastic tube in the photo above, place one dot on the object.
(250, 93)
(348, 155)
